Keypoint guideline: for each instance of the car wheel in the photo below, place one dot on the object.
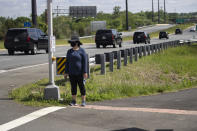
(114, 44)
(145, 42)
(26, 52)
(34, 50)
(104, 46)
(11, 52)
(97, 46)
(47, 51)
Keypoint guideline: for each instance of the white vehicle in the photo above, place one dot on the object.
(192, 30)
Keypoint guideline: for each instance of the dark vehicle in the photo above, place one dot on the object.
(25, 40)
(141, 37)
(163, 34)
(178, 31)
(106, 37)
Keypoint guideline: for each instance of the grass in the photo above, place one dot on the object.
(1, 45)
(171, 70)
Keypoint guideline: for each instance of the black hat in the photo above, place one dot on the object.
(74, 38)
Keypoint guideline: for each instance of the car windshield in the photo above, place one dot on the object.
(17, 33)
(103, 31)
(138, 34)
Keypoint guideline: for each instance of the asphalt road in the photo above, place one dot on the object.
(93, 119)
(20, 59)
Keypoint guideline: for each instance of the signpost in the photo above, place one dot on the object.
(51, 91)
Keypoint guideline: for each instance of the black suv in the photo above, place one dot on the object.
(106, 37)
(178, 31)
(163, 34)
(141, 37)
(25, 40)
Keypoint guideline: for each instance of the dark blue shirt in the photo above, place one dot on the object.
(76, 62)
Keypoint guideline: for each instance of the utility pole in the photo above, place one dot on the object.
(127, 23)
(34, 12)
(165, 11)
(51, 91)
(152, 11)
(158, 13)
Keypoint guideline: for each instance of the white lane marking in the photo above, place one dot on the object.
(28, 118)
(20, 68)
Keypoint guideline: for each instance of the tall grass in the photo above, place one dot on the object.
(1, 45)
(170, 70)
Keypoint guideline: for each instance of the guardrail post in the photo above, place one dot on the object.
(148, 48)
(140, 52)
(103, 71)
(162, 46)
(136, 53)
(156, 48)
(131, 55)
(118, 59)
(125, 57)
(111, 62)
(152, 49)
(88, 66)
(159, 47)
(144, 50)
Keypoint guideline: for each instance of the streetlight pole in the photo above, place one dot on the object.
(34, 12)
(152, 11)
(165, 11)
(51, 91)
(158, 13)
(127, 23)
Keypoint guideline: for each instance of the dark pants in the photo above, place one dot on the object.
(77, 80)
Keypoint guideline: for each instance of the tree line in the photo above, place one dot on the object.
(64, 26)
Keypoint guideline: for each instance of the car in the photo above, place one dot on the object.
(192, 30)
(25, 40)
(163, 34)
(178, 31)
(141, 37)
(107, 37)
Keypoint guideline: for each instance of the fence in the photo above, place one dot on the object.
(132, 54)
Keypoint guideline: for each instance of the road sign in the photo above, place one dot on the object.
(52, 43)
(96, 25)
(27, 24)
(82, 11)
(60, 65)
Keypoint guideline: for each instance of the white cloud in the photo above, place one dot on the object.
(14, 8)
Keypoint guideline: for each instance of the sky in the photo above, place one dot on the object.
(15, 8)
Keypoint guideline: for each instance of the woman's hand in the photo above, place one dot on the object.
(85, 75)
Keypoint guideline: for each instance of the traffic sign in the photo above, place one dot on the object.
(27, 24)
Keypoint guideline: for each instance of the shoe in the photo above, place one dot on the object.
(73, 103)
(83, 103)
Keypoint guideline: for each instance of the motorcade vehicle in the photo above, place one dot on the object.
(105, 37)
(163, 34)
(178, 31)
(25, 40)
(141, 37)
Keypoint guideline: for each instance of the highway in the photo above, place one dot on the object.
(21, 69)
(21, 60)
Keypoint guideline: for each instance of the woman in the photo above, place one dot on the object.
(76, 69)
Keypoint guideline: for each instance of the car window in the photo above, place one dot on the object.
(32, 33)
(103, 32)
(17, 33)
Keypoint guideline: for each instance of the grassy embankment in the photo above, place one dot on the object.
(171, 70)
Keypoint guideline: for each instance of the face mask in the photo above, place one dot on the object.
(73, 44)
